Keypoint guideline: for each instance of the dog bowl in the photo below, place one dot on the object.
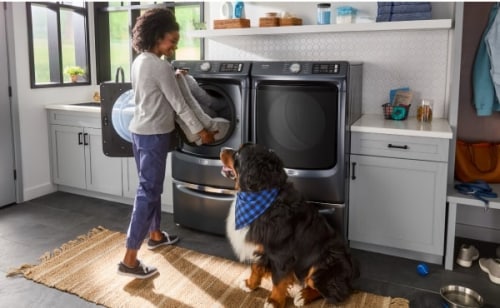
(461, 297)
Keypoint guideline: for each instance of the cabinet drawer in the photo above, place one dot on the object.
(74, 118)
(410, 147)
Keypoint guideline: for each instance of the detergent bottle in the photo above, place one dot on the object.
(239, 10)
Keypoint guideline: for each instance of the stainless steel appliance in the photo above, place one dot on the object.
(201, 195)
(302, 111)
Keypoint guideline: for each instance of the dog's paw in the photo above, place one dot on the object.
(298, 300)
(269, 304)
(243, 285)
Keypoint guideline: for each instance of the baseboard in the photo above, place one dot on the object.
(402, 253)
(38, 191)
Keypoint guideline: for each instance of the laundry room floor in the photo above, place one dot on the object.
(30, 229)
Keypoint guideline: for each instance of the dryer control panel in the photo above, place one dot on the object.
(327, 69)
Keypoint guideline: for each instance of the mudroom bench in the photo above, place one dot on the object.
(454, 198)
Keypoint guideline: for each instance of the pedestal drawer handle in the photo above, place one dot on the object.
(404, 147)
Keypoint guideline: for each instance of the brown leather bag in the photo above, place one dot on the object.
(477, 161)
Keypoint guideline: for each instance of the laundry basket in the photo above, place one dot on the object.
(395, 112)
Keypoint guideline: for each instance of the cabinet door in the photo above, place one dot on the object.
(398, 203)
(130, 177)
(68, 160)
(103, 174)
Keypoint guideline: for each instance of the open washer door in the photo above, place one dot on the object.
(117, 109)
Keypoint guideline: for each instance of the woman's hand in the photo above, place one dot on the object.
(181, 72)
(207, 136)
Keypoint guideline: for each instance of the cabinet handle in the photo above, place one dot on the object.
(80, 138)
(86, 139)
(404, 147)
(353, 177)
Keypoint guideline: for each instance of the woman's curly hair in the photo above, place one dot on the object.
(151, 27)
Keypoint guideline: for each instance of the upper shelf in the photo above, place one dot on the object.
(432, 24)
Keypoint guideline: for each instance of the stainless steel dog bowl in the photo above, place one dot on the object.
(461, 297)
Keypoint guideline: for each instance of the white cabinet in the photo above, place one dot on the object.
(77, 157)
(397, 195)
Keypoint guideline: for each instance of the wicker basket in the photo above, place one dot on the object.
(398, 112)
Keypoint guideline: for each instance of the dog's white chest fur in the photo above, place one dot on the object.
(243, 249)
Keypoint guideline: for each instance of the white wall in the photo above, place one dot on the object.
(29, 105)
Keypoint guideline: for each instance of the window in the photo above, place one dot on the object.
(114, 23)
(58, 41)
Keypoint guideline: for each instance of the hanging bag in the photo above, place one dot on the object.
(477, 161)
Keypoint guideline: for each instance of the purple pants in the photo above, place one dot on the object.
(150, 152)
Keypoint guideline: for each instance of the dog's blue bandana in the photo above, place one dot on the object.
(250, 205)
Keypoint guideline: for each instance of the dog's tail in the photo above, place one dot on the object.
(334, 279)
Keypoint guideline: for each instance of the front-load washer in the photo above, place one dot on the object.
(201, 195)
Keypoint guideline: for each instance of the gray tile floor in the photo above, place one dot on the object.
(30, 229)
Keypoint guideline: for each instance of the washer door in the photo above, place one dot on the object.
(225, 101)
(117, 109)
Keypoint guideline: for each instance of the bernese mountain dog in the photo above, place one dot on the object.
(272, 227)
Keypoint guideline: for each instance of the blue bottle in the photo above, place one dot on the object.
(239, 10)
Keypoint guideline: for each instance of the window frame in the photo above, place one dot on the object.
(102, 30)
(56, 69)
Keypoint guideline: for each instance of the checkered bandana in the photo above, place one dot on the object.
(250, 205)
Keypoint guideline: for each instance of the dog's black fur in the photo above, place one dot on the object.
(295, 238)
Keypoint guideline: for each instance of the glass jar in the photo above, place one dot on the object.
(324, 14)
(345, 15)
(424, 111)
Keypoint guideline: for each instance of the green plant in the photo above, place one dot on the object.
(74, 71)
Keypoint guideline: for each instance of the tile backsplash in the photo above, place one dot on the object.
(391, 59)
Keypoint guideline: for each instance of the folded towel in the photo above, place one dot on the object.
(404, 16)
(409, 8)
(397, 3)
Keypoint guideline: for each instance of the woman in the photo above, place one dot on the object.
(158, 100)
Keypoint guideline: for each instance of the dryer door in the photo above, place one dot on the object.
(117, 109)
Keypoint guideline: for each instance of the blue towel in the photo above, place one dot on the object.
(397, 3)
(409, 8)
(403, 17)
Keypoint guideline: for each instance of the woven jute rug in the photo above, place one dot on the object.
(87, 267)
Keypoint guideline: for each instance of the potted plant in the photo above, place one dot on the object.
(74, 72)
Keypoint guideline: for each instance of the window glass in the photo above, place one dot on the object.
(119, 40)
(114, 21)
(40, 30)
(189, 47)
(58, 40)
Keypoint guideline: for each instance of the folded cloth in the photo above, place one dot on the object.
(478, 189)
(211, 124)
(404, 16)
(397, 3)
(405, 8)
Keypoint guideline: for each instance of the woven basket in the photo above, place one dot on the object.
(398, 112)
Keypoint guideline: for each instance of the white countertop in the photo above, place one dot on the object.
(73, 107)
(438, 128)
